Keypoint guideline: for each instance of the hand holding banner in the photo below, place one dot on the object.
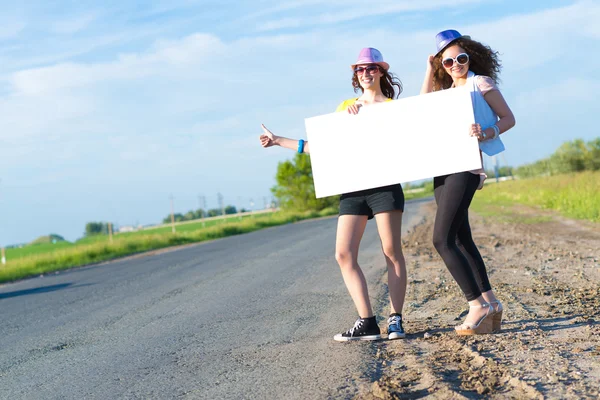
(405, 140)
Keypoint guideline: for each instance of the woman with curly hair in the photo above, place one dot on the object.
(463, 62)
(385, 204)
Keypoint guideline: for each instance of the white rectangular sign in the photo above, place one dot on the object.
(399, 141)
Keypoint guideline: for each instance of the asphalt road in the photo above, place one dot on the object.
(250, 316)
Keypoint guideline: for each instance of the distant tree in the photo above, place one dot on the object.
(230, 210)
(573, 156)
(56, 238)
(51, 238)
(96, 228)
(213, 212)
(502, 171)
(190, 215)
(592, 161)
(178, 217)
(295, 189)
(416, 185)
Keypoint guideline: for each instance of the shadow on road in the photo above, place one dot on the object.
(43, 289)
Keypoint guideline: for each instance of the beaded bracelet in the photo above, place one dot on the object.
(496, 131)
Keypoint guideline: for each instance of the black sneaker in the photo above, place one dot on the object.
(363, 329)
(395, 330)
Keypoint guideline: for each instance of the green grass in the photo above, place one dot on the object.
(572, 195)
(507, 213)
(418, 195)
(99, 249)
(32, 249)
(192, 226)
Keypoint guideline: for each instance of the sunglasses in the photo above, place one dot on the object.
(460, 59)
(371, 69)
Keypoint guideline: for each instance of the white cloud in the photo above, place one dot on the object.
(186, 111)
(329, 12)
(188, 51)
(184, 71)
(530, 40)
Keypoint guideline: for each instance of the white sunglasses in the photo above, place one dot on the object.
(460, 59)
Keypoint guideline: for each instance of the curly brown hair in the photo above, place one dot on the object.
(388, 81)
(482, 61)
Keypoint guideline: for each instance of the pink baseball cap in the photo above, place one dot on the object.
(369, 55)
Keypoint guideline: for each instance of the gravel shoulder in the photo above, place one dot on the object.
(547, 273)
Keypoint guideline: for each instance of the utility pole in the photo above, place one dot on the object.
(510, 170)
(3, 256)
(265, 202)
(239, 210)
(202, 200)
(252, 208)
(172, 215)
(110, 238)
(221, 205)
(496, 168)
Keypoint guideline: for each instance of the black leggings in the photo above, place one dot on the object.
(452, 233)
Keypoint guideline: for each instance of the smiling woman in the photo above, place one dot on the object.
(385, 204)
(463, 62)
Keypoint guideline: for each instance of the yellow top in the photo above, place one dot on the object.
(347, 103)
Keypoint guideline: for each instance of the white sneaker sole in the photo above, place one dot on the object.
(395, 335)
(340, 338)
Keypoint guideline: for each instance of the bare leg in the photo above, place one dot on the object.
(389, 225)
(350, 230)
(476, 311)
(489, 296)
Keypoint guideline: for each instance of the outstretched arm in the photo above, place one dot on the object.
(268, 139)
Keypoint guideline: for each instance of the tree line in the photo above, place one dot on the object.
(573, 156)
(200, 213)
(101, 228)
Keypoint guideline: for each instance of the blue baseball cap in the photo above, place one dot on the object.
(444, 38)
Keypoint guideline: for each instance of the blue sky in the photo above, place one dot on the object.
(108, 108)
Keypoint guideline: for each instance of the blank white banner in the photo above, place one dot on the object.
(399, 141)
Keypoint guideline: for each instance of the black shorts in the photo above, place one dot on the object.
(372, 201)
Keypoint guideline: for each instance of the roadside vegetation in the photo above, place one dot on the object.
(568, 181)
(575, 195)
(98, 248)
